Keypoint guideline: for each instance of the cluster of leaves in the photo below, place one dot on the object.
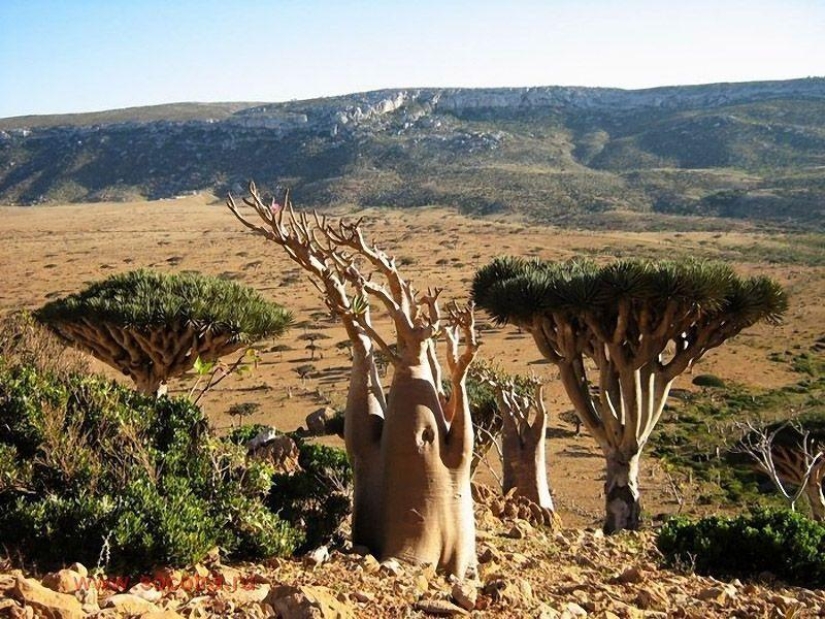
(514, 289)
(97, 473)
(144, 298)
(781, 542)
(316, 498)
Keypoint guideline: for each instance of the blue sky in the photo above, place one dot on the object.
(60, 56)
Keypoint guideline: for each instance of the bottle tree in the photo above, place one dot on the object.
(154, 326)
(522, 423)
(411, 448)
(620, 334)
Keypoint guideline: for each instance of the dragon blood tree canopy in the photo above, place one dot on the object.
(154, 326)
(620, 334)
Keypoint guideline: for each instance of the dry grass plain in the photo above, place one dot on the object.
(53, 251)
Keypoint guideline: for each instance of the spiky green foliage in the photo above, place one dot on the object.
(142, 299)
(154, 326)
(641, 324)
(687, 294)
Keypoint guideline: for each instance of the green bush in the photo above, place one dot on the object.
(708, 380)
(781, 542)
(90, 470)
(316, 498)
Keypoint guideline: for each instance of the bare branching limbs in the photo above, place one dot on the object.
(798, 464)
(461, 326)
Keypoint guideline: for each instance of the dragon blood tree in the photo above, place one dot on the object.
(411, 450)
(153, 326)
(620, 334)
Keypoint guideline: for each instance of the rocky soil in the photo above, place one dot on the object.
(523, 571)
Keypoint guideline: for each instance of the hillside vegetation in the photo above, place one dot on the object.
(570, 156)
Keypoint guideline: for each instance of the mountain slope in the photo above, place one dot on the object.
(570, 155)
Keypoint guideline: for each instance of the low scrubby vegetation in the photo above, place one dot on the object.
(778, 542)
(698, 437)
(96, 472)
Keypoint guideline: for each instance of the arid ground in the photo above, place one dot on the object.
(53, 251)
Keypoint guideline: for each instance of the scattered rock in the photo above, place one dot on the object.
(227, 576)
(720, 594)
(64, 581)
(441, 608)
(465, 595)
(784, 602)
(129, 604)
(45, 602)
(307, 602)
(547, 612)
(362, 596)
(370, 564)
(245, 594)
(392, 567)
(488, 555)
(80, 569)
(515, 593)
(521, 530)
(317, 421)
(147, 591)
(632, 575)
(574, 610)
(652, 598)
(21, 612)
(161, 614)
(317, 557)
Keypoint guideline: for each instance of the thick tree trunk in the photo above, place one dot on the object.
(621, 491)
(428, 511)
(362, 434)
(813, 490)
(524, 463)
(149, 384)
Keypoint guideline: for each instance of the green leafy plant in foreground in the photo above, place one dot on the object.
(780, 542)
(317, 496)
(97, 473)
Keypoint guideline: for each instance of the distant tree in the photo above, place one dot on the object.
(153, 326)
(792, 454)
(620, 334)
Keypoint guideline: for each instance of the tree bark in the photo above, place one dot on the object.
(523, 457)
(363, 420)
(621, 491)
(148, 383)
(431, 520)
(813, 490)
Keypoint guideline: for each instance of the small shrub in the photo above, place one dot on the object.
(317, 498)
(708, 380)
(778, 541)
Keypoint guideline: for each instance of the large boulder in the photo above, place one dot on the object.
(45, 602)
(307, 602)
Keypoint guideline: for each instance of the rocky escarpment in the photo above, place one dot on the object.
(739, 150)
